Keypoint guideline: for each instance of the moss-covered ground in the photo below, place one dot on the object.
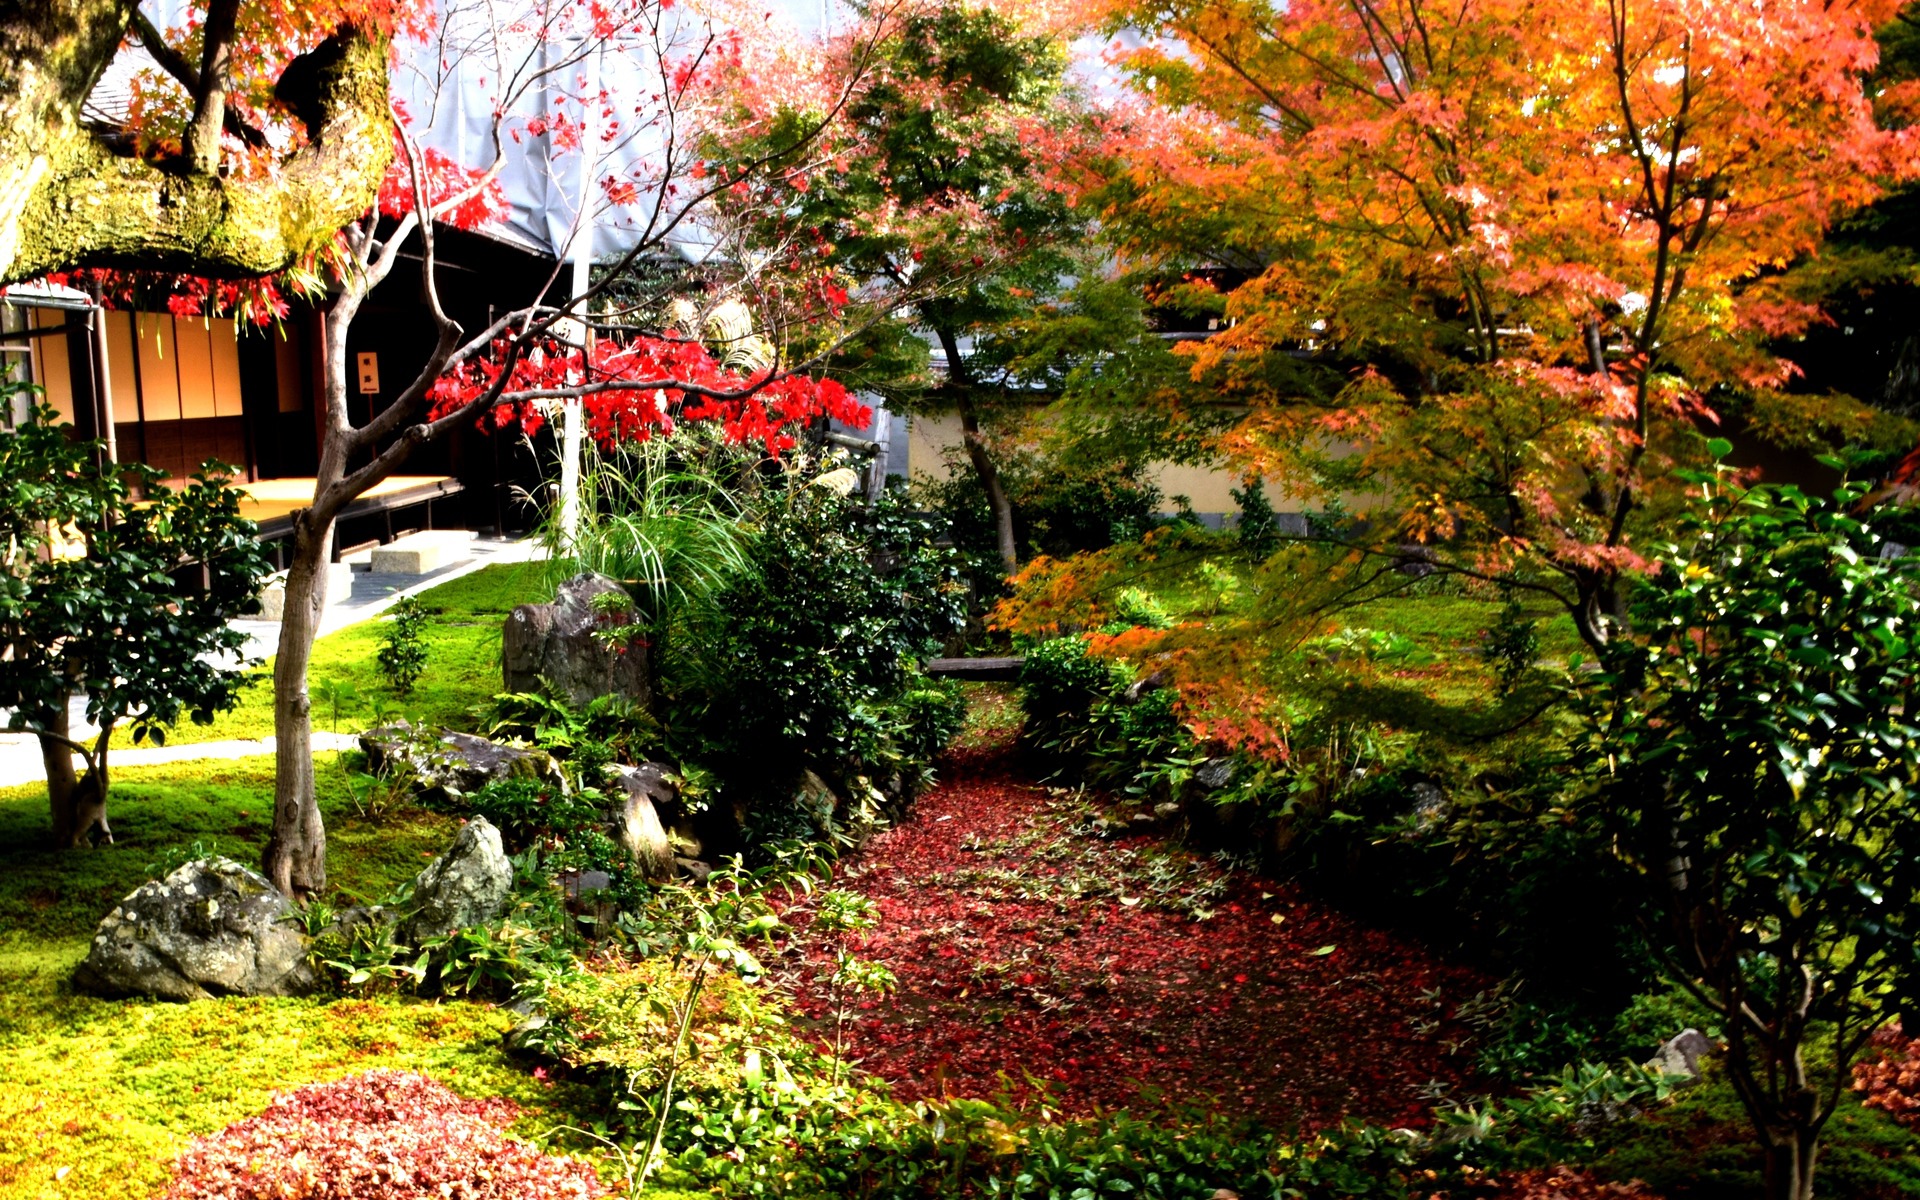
(96, 1097)
(463, 663)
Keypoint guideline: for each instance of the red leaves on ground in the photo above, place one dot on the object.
(1564, 1183)
(1030, 953)
(390, 1135)
(1890, 1079)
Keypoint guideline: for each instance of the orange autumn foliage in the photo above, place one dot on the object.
(1561, 243)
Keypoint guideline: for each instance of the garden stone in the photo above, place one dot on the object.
(1429, 806)
(638, 828)
(468, 885)
(211, 928)
(1679, 1056)
(693, 868)
(1215, 774)
(1145, 684)
(353, 918)
(586, 893)
(521, 1036)
(554, 647)
(449, 764)
(1166, 811)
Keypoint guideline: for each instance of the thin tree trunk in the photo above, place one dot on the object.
(296, 856)
(1790, 1158)
(61, 782)
(978, 454)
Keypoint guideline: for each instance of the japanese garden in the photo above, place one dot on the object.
(1045, 599)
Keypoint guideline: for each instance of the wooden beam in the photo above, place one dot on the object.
(976, 670)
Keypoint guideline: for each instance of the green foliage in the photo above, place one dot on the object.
(1700, 1146)
(1058, 508)
(1059, 684)
(809, 655)
(89, 602)
(656, 516)
(1512, 642)
(1258, 528)
(403, 648)
(1754, 759)
(1136, 608)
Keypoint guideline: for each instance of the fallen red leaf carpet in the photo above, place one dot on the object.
(1034, 954)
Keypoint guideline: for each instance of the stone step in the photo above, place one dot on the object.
(424, 552)
(273, 597)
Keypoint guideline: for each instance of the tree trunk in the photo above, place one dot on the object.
(61, 783)
(67, 200)
(978, 454)
(79, 804)
(1789, 1156)
(296, 857)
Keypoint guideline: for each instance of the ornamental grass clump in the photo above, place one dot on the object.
(390, 1135)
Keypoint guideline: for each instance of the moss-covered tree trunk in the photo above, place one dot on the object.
(67, 200)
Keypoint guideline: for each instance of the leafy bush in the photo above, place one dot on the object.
(403, 646)
(380, 1135)
(808, 656)
(1512, 642)
(1060, 682)
(530, 812)
(1700, 1146)
(1058, 508)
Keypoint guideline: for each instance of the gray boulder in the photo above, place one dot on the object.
(211, 928)
(1679, 1056)
(556, 647)
(645, 790)
(1215, 774)
(451, 764)
(468, 885)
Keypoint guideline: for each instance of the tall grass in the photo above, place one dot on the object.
(655, 516)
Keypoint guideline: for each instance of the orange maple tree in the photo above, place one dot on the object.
(1552, 250)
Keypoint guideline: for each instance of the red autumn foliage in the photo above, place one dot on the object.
(382, 1135)
(1890, 1079)
(649, 383)
(1032, 956)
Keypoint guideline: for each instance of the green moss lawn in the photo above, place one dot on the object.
(463, 663)
(96, 1097)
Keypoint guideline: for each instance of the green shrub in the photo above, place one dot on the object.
(806, 657)
(1700, 1146)
(403, 645)
(1259, 527)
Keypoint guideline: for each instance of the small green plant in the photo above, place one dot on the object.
(1138, 608)
(340, 697)
(174, 857)
(403, 646)
(1512, 642)
(844, 916)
